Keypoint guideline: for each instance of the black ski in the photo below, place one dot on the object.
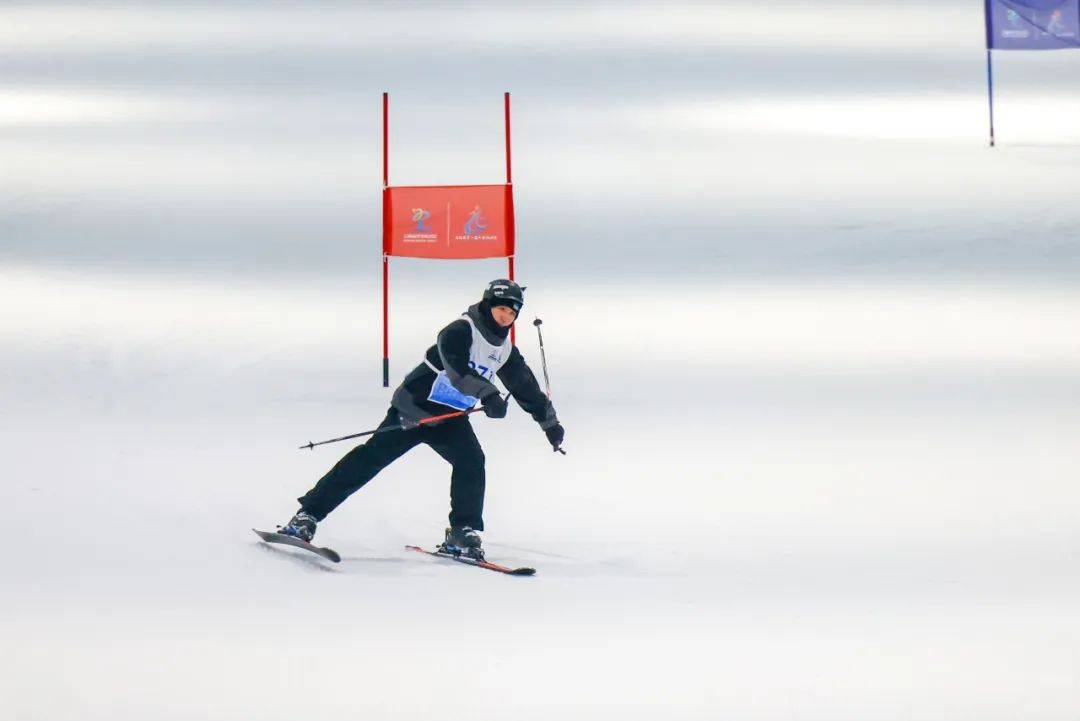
(271, 537)
(473, 562)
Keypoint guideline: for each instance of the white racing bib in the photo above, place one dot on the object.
(484, 358)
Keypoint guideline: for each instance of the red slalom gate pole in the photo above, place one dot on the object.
(506, 115)
(509, 181)
(386, 321)
(385, 139)
(513, 328)
(386, 258)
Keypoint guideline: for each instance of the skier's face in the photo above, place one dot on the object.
(504, 316)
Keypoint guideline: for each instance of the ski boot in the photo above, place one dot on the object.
(462, 541)
(301, 526)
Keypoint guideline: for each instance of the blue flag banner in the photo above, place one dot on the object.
(1032, 24)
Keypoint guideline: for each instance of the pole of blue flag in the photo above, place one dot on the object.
(990, 92)
(989, 65)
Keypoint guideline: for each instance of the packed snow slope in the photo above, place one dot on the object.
(813, 343)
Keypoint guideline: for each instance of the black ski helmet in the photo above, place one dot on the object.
(506, 293)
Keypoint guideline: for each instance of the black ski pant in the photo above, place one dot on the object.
(454, 440)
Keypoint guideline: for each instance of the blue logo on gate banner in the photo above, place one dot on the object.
(476, 224)
(419, 215)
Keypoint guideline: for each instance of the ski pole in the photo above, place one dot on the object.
(543, 362)
(430, 419)
(543, 358)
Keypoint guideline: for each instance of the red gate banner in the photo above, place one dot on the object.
(449, 221)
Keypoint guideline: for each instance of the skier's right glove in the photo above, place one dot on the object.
(555, 435)
(494, 406)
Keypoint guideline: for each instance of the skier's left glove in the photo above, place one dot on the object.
(494, 406)
(555, 435)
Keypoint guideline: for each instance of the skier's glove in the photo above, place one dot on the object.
(555, 435)
(494, 406)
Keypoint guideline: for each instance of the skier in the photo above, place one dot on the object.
(456, 374)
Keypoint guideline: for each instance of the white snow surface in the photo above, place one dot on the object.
(870, 515)
(813, 343)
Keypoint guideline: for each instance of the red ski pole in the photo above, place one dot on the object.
(422, 421)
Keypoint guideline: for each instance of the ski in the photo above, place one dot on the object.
(270, 537)
(473, 562)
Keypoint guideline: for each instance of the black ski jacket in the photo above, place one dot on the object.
(451, 353)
